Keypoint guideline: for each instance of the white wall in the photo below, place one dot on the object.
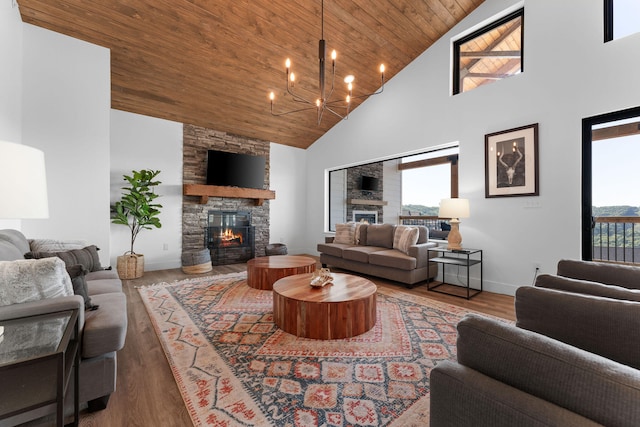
(569, 74)
(10, 73)
(288, 213)
(392, 191)
(141, 142)
(66, 96)
(10, 81)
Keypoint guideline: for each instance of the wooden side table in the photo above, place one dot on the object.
(263, 272)
(38, 356)
(343, 309)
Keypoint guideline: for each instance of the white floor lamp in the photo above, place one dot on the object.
(454, 209)
(23, 182)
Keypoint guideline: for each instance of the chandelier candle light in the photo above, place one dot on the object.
(454, 209)
(324, 102)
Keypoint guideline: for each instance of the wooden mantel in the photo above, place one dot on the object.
(206, 191)
(367, 202)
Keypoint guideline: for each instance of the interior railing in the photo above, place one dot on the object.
(616, 239)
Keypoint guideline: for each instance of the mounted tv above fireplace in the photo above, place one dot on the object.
(235, 170)
(369, 183)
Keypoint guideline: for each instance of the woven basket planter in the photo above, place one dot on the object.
(130, 266)
(196, 262)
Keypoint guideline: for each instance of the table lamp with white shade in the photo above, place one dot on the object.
(23, 182)
(454, 209)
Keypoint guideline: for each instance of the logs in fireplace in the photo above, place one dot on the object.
(229, 236)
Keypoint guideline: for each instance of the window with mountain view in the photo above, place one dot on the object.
(439, 169)
(491, 53)
(610, 175)
(406, 190)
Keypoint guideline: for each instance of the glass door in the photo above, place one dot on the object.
(610, 195)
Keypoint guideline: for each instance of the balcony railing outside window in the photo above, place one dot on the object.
(616, 239)
(438, 227)
(429, 221)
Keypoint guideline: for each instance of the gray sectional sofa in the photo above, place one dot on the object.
(378, 250)
(572, 359)
(103, 328)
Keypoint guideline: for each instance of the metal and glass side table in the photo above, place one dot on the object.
(462, 258)
(39, 357)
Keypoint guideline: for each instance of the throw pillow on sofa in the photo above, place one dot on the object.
(77, 273)
(360, 236)
(54, 245)
(28, 280)
(380, 235)
(404, 237)
(345, 233)
(88, 257)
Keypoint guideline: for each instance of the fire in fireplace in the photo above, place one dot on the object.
(230, 236)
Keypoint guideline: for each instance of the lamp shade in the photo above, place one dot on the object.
(454, 208)
(23, 182)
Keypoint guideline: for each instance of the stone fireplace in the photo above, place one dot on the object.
(196, 231)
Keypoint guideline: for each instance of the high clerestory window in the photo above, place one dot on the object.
(491, 53)
(621, 18)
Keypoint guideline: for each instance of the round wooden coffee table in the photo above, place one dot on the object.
(343, 309)
(263, 272)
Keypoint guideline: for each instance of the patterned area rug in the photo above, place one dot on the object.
(234, 367)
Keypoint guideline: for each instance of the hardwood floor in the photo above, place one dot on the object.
(147, 394)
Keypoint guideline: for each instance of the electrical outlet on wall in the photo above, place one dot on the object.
(165, 246)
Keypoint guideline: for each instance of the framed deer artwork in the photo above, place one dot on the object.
(511, 162)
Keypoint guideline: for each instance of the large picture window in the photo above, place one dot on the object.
(400, 190)
(491, 53)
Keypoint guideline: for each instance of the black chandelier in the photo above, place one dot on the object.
(324, 100)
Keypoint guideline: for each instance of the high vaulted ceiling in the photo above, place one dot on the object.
(212, 63)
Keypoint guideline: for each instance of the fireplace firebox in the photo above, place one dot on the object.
(229, 236)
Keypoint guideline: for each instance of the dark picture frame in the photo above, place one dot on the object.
(511, 162)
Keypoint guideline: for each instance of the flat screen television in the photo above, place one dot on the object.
(235, 170)
(369, 183)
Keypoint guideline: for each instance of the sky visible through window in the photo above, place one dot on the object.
(626, 18)
(427, 186)
(615, 172)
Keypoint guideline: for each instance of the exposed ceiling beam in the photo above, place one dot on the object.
(492, 54)
(618, 131)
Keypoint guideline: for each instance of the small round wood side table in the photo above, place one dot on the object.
(263, 272)
(343, 309)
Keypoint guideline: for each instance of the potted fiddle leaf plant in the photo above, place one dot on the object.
(138, 211)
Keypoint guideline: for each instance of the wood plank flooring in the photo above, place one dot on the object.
(147, 395)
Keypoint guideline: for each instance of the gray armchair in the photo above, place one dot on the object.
(572, 358)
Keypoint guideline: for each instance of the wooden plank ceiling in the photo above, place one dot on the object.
(212, 63)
